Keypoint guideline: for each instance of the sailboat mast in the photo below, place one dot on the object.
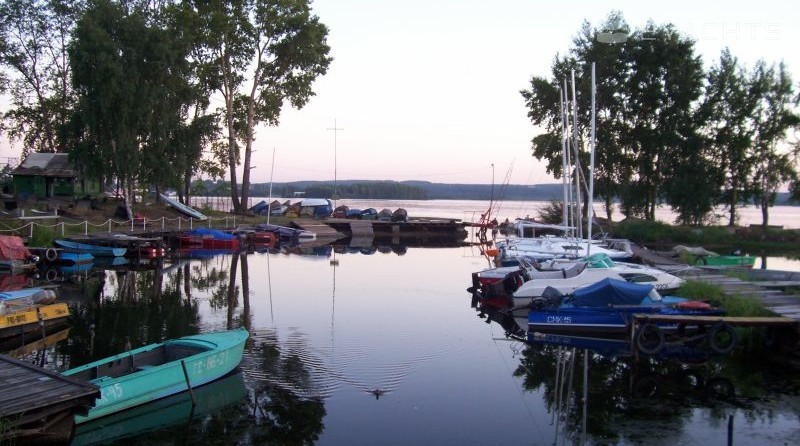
(590, 212)
(577, 158)
(564, 167)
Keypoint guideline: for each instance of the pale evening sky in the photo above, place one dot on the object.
(429, 89)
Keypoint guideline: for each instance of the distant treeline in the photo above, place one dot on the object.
(392, 190)
(404, 190)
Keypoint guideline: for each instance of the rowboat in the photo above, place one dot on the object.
(95, 250)
(15, 321)
(159, 370)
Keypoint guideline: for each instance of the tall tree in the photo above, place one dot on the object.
(35, 35)
(727, 110)
(662, 87)
(648, 83)
(257, 54)
(131, 74)
(776, 114)
(543, 99)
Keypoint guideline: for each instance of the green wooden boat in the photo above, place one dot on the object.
(730, 260)
(159, 370)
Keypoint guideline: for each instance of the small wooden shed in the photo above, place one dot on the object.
(51, 175)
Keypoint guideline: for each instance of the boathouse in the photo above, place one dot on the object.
(51, 175)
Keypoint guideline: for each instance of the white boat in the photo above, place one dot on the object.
(511, 249)
(191, 212)
(517, 285)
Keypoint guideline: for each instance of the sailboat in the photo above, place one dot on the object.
(572, 244)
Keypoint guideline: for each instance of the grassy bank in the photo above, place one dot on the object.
(753, 240)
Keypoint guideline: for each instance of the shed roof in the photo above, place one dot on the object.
(47, 165)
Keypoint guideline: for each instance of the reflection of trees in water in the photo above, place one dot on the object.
(627, 398)
(286, 403)
(143, 309)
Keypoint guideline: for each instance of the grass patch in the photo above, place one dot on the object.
(42, 236)
(734, 304)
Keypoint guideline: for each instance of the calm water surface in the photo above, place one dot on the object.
(366, 345)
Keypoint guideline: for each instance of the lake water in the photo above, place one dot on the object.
(381, 345)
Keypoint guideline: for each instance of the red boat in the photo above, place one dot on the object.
(209, 239)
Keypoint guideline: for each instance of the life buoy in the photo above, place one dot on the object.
(649, 339)
(51, 254)
(721, 338)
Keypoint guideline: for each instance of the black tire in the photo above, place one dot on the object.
(51, 274)
(649, 339)
(721, 338)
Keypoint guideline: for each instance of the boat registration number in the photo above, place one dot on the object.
(559, 319)
(110, 393)
(211, 362)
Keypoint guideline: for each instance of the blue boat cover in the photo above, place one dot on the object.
(610, 292)
(214, 233)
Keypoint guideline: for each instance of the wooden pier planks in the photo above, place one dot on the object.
(39, 405)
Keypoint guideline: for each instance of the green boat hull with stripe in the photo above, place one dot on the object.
(159, 370)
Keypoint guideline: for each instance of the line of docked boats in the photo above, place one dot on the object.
(569, 293)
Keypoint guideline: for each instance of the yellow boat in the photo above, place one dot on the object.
(26, 319)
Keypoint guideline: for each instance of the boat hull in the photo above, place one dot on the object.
(33, 318)
(601, 321)
(95, 250)
(150, 383)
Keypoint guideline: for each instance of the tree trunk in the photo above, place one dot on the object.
(232, 166)
(734, 200)
(764, 212)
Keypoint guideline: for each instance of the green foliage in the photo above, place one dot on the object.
(552, 212)
(33, 48)
(259, 55)
(668, 132)
(132, 74)
(643, 231)
(43, 236)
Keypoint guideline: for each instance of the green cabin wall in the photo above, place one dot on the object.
(49, 187)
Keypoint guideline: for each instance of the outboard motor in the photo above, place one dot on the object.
(550, 297)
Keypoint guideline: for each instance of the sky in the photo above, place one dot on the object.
(430, 89)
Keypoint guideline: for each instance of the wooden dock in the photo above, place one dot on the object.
(318, 227)
(39, 406)
(769, 287)
(421, 229)
(779, 300)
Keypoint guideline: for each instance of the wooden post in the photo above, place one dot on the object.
(188, 383)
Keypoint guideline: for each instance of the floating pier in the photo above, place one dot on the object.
(39, 406)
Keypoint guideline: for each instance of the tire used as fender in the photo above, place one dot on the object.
(649, 338)
(714, 343)
(51, 254)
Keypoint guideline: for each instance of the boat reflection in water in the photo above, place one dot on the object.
(159, 415)
(599, 390)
